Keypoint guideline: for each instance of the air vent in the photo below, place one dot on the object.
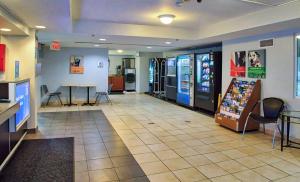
(266, 43)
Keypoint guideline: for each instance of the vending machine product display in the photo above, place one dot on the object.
(185, 80)
(236, 104)
(171, 82)
(208, 71)
(157, 75)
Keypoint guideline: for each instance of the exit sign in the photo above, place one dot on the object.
(55, 46)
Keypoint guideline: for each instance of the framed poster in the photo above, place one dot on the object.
(17, 69)
(238, 64)
(76, 65)
(257, 63)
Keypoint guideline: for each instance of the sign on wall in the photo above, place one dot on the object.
(238, 64)
(76, 65)
(257, 63)
(55, 46)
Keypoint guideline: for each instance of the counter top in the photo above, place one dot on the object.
(15, 81)
(7, 110)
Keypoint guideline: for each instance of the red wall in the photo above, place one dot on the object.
(2, 57)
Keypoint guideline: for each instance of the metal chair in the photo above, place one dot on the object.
(272, 107)
(50, 94)
(105, 94)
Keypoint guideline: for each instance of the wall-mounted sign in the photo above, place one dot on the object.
(17, 69)
(76, 65)
(257, 63)
(238, 64)
(55, 46)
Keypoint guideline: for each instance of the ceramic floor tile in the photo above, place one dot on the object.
(99, 164)
(250, 162)
(176, 164)
(103, 175)
(154, 168)
(250, 176)
(211, 170)
(287, 167)
(163, 177)
(167, 154)
(226, 178)
(189, 175)
(198, 160)
(217, 157)
(146, 157)
(82, 177)
(184, 152)
(270, 172)
(129, 172)
(232, 166)
(158, 147)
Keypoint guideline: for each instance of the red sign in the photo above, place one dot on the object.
(55, 46)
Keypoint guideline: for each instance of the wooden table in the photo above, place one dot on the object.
(88, 86)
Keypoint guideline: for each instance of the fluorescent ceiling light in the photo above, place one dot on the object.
(5, 29)
(96, 45)
(149, 47)
(120, 51)
(168, 42)
(40, 27)
(166, 19)
(102, 39)
(298, 36)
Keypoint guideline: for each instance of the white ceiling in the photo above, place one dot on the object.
(132, 24)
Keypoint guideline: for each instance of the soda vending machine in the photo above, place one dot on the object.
(208, 74)
(171, 81)
(185, 80)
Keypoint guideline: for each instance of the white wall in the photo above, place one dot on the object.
(56, 71)
(280, 69)
(22, 48)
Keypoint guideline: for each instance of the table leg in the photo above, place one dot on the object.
(88, 98)
(282, 133)
(288, 131)
(70, 97)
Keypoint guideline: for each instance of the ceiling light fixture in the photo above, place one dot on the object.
(5, 29)
(40, 27)
(168, 43)
(97, 45)
(298, 36)
(102, 39)
(120, 51)
(149, 47)
(166, 18)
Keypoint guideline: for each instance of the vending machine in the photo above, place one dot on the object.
(185, 80)
(171, 81)
(208, 74)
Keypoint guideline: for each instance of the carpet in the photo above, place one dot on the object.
(41, 160)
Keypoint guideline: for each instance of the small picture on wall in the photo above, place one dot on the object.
(257, 63)
(238, 64)
(76, 65)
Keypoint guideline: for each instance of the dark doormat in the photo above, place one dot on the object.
(41, 160)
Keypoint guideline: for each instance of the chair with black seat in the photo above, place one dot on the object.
(272, 107)
(105, 94)
(51, 94)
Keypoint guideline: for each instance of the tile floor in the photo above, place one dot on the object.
(171, 143)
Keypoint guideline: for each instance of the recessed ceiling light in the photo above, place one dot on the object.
(149, 47)
(102, 39)
(168, 42)
(120, 51)
(96, 45)
(166, 19)
(5, 29)
(298, 36)
(40, 27)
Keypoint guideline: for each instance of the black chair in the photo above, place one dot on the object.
(105, 94)
(272, 107)
(50, 95)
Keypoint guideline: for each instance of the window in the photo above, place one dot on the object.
(298, 66)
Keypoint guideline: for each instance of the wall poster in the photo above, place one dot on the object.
(17, 69)
(238, 64)
(76, 65)
(257, 63)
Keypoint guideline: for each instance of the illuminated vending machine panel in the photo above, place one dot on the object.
(185, 75)
(171, 81)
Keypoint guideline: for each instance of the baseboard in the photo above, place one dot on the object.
(32, 130)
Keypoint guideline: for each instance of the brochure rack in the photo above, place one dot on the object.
(236, 104)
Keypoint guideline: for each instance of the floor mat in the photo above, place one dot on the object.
(41, 160)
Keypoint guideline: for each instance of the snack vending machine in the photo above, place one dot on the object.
(185, 80)
(208, 71)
